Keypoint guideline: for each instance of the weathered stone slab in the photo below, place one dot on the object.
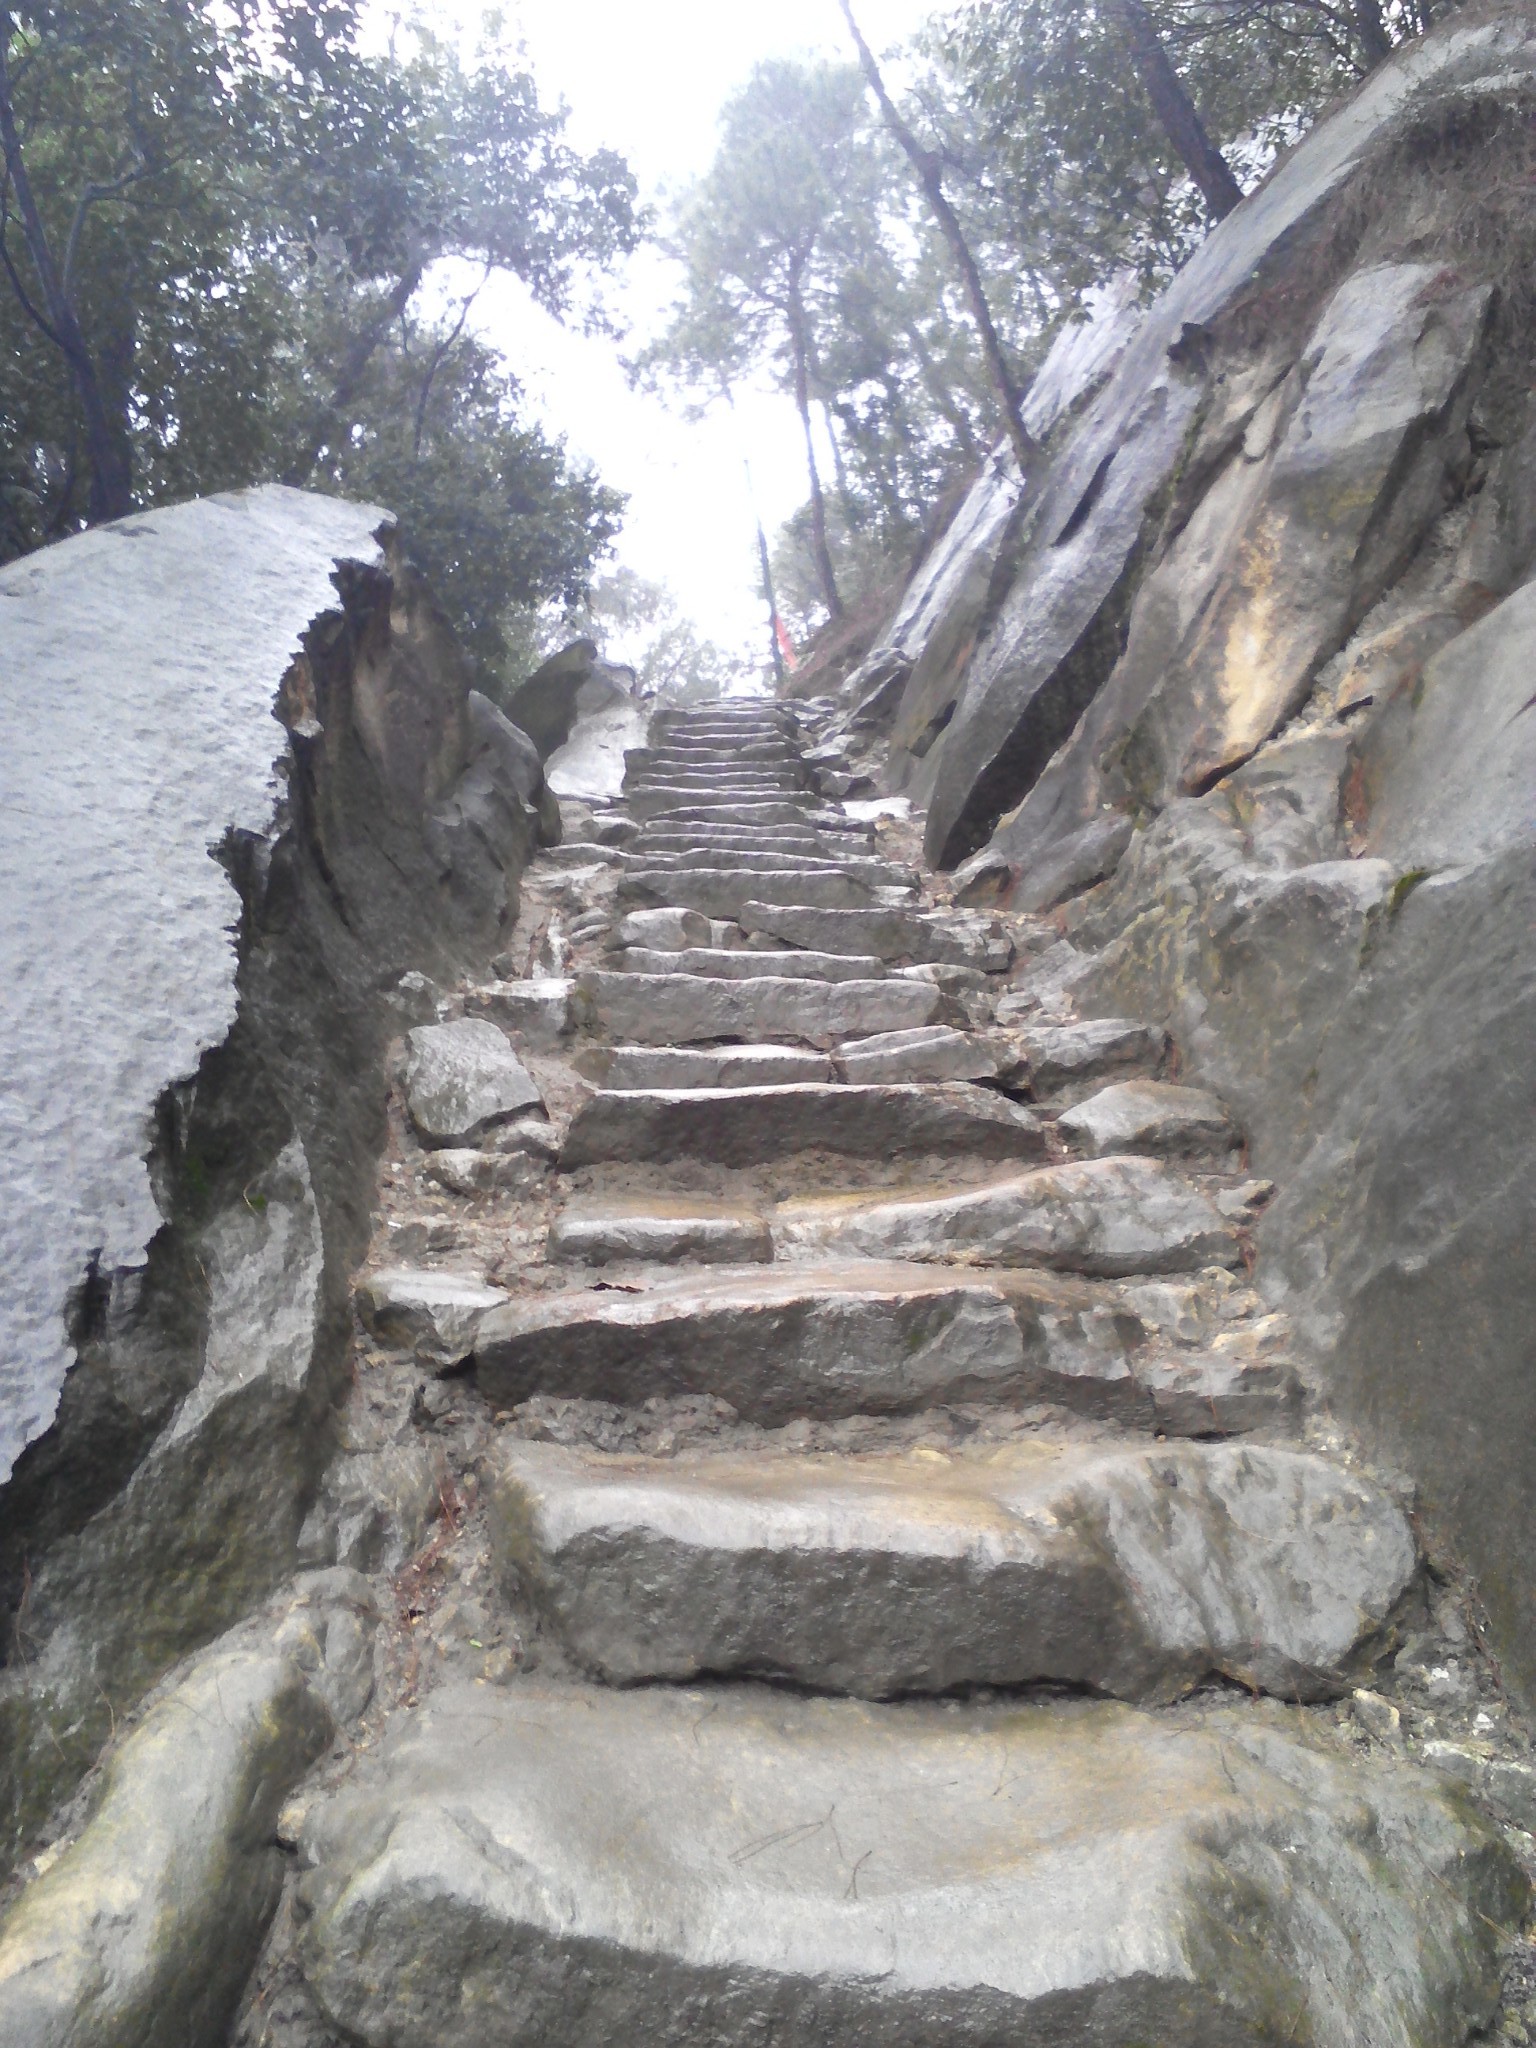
(1134, 1571)
(539, 1012)
(724, 1066)
(1149, 1116)
(1058, 1055)
(811, 1871)
(733, 964)
(854, 1341)
(463, 1077)
(601, 1233)
(675, 1009)
(1104, 1216)
(880, 874)
(731, 839)
(893, 934)
(750, 1126)
(772, 804)
(721, 892)
(431, 1313)
(936, 1053)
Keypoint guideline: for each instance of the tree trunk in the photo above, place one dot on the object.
(930, 177)
(1175, 109)
(111, 486)
(800, 349)
(349, 377)
(1375, 43)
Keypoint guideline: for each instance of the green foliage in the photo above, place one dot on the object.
(248, 201)
(1060, 163)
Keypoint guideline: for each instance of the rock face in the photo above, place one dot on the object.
(816, 1870)
(182, 1840)
(994, 719)
(278, 803)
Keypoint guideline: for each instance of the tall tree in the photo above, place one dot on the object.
(928, 166)
(759, 239)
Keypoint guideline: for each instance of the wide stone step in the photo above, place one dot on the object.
(1101, 1216)
(681, 1009)
(893, 934)
(776, 1345)
(879, 874)
(710, 810)
(660, 839)
(566, 1866)
(1043, 1337)
(1136, 1571)
(720, 892)
(658, 1228)
(725, 1066)
(734, 964)
(751, 1126)
(661, 800)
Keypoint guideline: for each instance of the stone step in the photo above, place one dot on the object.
(766, 784)
(729, 839)
(682, 1009)
(601, 1233)
(775, 1345)
(768, 805)
(720, 892)
(1136, 1571)
(1150, 1116)
(711, 810)
(752, 1126)
(739, 965)
(572, 1865)
(936, 1053)
(1102, 1216)
(844, 1334)
(893, 934)
(725, 1066)
(753, 816)
(878, 874)
(689, 753)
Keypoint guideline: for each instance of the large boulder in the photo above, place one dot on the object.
(245, 796)
(572, 684)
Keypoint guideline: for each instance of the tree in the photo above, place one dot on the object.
(1080, 137)
(636, 622)
(238, 202)
(930, 175)
(757, 238)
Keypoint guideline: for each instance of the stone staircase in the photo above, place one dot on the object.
(887, 1570)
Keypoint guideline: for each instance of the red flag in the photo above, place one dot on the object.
(786, 646)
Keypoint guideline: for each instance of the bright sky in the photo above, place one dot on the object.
(649, 80)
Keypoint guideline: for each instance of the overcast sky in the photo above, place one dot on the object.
(649, 80)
